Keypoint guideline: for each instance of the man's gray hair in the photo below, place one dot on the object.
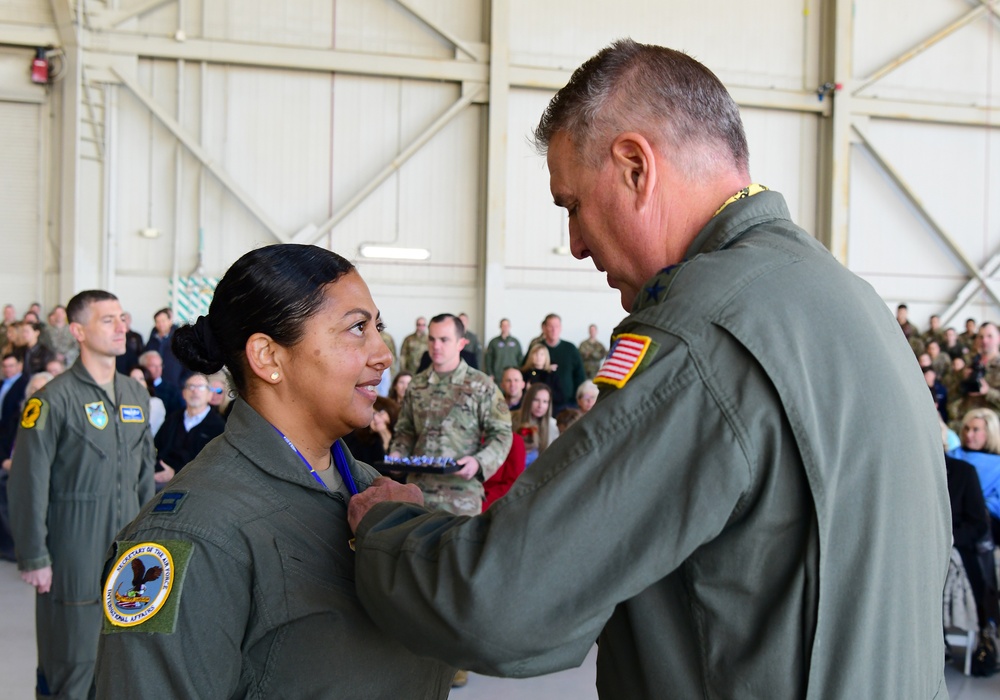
(666, 95)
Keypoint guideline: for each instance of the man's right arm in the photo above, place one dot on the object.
(28, 487)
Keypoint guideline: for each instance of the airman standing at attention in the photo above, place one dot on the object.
(82, 468)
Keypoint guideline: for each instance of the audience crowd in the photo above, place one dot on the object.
(546, 386)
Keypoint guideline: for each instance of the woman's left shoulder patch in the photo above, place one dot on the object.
(142, 589)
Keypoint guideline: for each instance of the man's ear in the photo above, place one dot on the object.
(77, 331)
(265, 357)
(633, 159)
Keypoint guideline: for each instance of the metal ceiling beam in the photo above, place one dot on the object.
(904, 110)
(919, 48)
(452, 39)
(311, 235)
(929, 220)
(965, 294)
(113, 18)
(191, 143)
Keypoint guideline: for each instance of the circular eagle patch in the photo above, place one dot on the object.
(32, 410)
(138, 585)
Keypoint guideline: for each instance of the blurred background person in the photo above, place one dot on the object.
(157, 411)
(186, 433)
(370, 444)
(586, 396)
(538, 369)
(534, 421)
(399, 386)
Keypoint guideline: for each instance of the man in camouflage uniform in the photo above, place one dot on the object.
(502, 352)
(391, 344)
(988, 395)
(414, 347)
(453, 410)
(592, 353)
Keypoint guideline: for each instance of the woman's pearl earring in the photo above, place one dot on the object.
(274, 376)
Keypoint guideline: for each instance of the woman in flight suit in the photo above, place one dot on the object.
(238, 580)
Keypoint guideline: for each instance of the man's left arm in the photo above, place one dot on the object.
(494, 419)
(146, 487)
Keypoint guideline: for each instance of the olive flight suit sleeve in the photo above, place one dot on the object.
(494, 417)
(147, 485)
(653, 472)
(31, 470)
(196, 655)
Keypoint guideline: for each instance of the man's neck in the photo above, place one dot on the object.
(448, 368)
(195, 412)
(100, 367)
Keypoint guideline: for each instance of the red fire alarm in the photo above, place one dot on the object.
(40, 67)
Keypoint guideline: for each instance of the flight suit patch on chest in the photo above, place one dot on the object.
(97, 414)
(131, 414)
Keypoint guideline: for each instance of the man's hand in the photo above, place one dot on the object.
(41, 579)
(382, 489)
(164, 476)
(470, 467)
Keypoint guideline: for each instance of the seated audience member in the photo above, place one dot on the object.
(133, 347)
(55, 367)
(534, 421)
(968, 337)
(185, 433)
(940, 361)
(567, 417)
(157, 411)
(586, 396)
(370, 444)
(938, 392)
(167, 392)
(497, 486)
(218, 395)
(399, 385)
(970, 528)
(537, 368)
(36, 353)
(15, 339)
(980, 437)
(11, 395)
(512, 386)
(952, 346)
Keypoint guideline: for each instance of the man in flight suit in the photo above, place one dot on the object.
(734, 518)
(82, 467)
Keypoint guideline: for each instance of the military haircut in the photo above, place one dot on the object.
(674, 99)
(459, 326)
(78, 306)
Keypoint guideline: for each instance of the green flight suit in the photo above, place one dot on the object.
(83, 466)
(263, 602)
(741, 519)
(501, 353)
(455, 415)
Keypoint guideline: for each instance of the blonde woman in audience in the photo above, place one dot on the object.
(538, 368)
(586, 396)
(980, 435)
(534, 421)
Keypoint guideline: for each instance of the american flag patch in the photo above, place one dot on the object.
(625, 356)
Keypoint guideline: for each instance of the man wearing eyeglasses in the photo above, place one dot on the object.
(185, 433)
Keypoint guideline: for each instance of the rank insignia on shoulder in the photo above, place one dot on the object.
(143, 586)
(170, 502)
(627, 353)
(131, 414)
(97, 414)
(34, 414)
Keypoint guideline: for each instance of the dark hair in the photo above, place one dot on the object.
(272, 290)
(393, 394)
(901, 306)
(146, 375)
(459, 326)
(77, 307)
(165, 310)
(8, 355)
(671, 97)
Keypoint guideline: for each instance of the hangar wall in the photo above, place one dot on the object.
(228, 124)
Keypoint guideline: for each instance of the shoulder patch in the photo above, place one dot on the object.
(131, 414)
(142, 589)
(628, 351)
(97, 414)
(35, 412)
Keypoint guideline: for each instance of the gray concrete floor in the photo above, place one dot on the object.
(17, 662)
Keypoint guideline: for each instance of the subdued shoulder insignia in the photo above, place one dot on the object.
(170, 502)
(142, 589)
(97, 414)
(628, 353)
(34, 414)
(131, 414)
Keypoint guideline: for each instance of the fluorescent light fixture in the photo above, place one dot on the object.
(561, 250)
(149, 233)
(385, 252)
